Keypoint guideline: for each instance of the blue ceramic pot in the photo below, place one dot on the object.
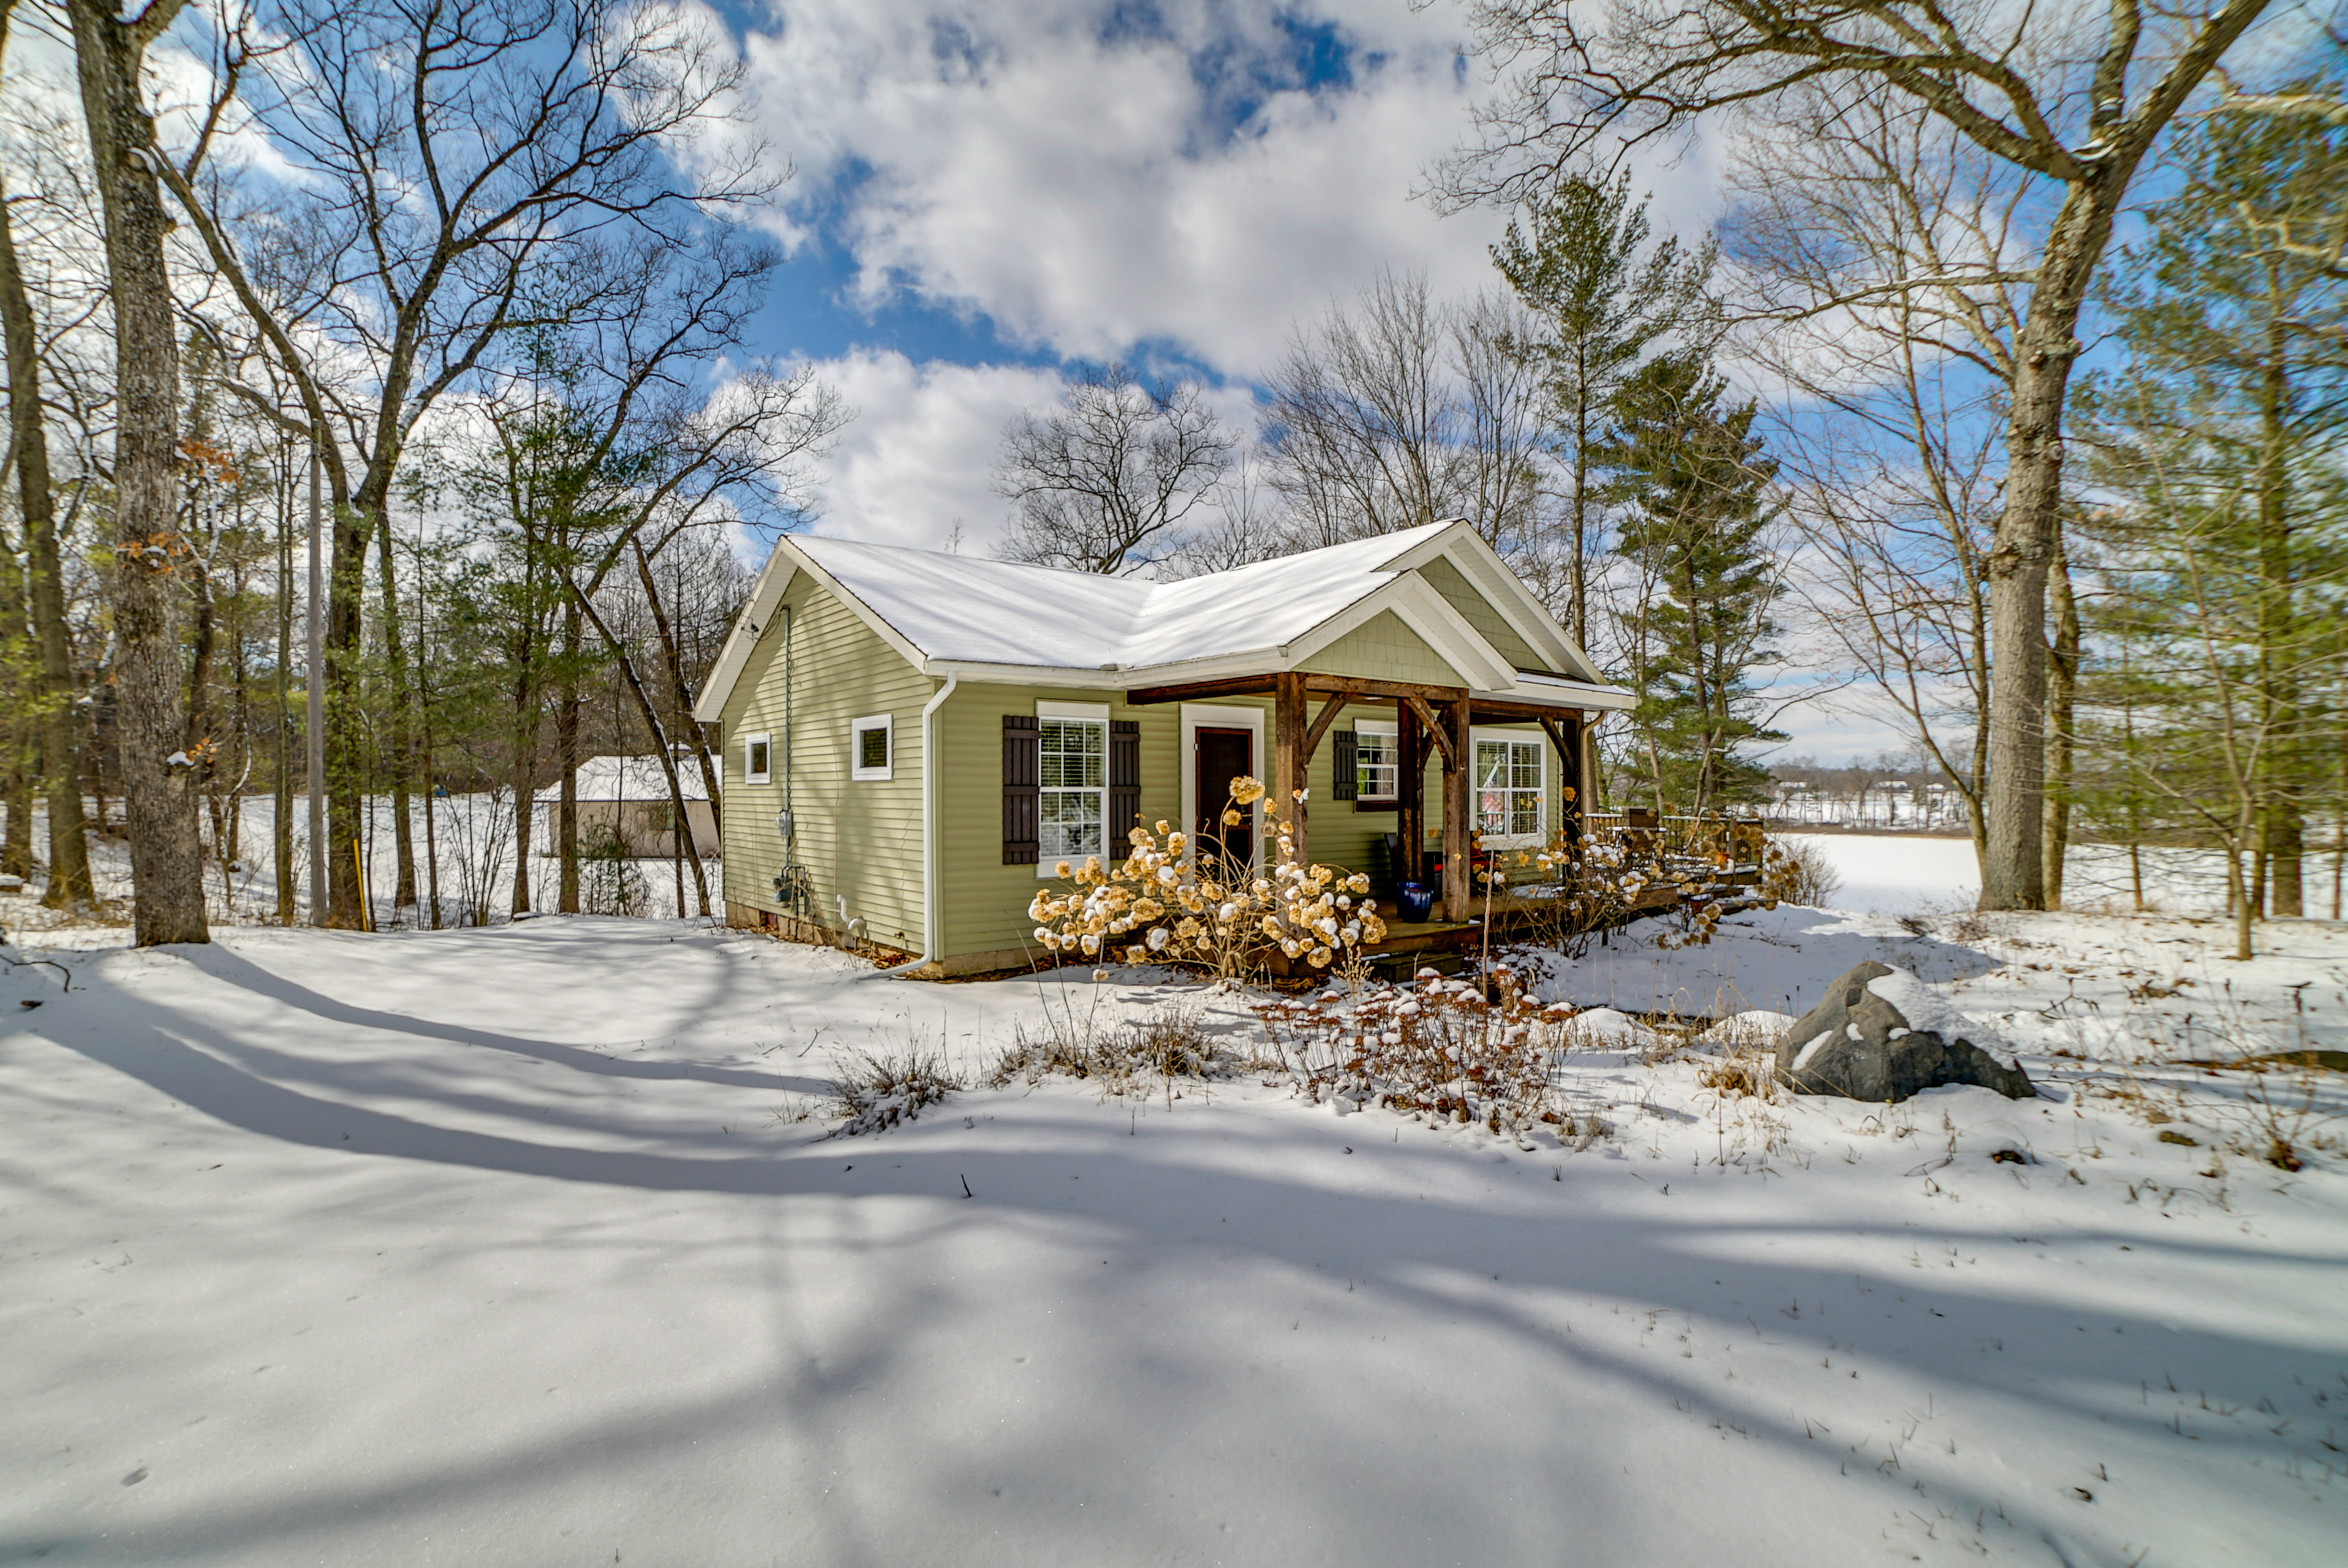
(1417, 901)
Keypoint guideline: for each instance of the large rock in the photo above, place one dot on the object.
(1880, 1034)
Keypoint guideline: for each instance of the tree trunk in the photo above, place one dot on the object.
(2013, 870)
(159, 786)
(654, 725)
(281, 826)
(60, 737)
(17, 842)
(2281, 831)
(401, 751)
(525, 783)
(348, 750)
(673, 659)
(2062, 687)
(566, 753)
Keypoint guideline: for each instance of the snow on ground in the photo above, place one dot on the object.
(1900, 873)
(502, 1246)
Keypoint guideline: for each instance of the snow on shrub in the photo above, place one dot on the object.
(1209, 911)
(870, 1093)
(1439, 1048)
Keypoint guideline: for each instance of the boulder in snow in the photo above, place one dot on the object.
(1879, 1034)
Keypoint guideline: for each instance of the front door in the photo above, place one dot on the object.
(1219, 757)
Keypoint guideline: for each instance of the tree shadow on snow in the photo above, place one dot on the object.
(1350, 1476)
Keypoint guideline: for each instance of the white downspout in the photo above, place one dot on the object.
(929, 831)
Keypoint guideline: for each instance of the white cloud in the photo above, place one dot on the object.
(917, 458)
(1084, 193)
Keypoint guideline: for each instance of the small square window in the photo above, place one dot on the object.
(872, 753)
(758, 758)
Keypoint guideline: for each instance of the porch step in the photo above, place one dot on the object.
(1404, 968)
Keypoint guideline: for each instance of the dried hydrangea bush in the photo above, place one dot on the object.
(1171, 901)
(1440, 1048)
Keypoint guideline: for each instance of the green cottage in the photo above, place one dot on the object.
(914, 741)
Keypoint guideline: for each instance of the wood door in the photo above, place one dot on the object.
(1220, 755)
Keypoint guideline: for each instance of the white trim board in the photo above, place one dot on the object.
(1211, 715)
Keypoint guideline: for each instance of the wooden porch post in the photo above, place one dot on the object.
(1288, 756)
(1565, 733)
(1459, 814)
(1410, 795)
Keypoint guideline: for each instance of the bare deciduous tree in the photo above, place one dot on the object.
(1400, 410)
(454, 156)
(58, 722)
(159, 775)
(1103, 482)
(2071, 97)
(1897, 399)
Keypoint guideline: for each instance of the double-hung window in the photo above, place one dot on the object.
(1508, 795)
(1378, 763)
(1072, 807)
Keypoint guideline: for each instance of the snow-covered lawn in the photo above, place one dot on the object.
(501, 1246)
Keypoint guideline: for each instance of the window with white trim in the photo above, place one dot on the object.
(1510, 797)
(1377, 762)
(1073, 778)
(758, 758)
(872, 748)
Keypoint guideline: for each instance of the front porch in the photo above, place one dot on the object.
(1430, 722)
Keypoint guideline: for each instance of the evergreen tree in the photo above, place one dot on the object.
(1698, 511)
(1602, 309)
(2220, 432)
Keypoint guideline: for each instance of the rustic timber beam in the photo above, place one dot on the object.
(1365, 687)
(1268, 685)
(1521, 713)
(1436, 728)
(1568, 741)
(1556, 731)
(1288, 759)
(1459, 815)
(1410, 804)
(1195, 691)
(1329, 711)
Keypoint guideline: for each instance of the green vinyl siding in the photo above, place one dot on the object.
(861, 841)
(858, 840)
(1382, 648)
(984, 901)
(1461, 594)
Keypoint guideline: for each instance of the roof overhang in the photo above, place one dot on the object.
(1483, 668)
(1504, 591)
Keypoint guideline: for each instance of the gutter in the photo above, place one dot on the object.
(929, 833)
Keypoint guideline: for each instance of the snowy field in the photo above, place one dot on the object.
(503, 1246)
(1885, 874)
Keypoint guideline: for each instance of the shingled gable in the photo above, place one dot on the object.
(1001, 621)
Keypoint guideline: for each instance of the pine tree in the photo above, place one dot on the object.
(2228, 411)
(1698, 513)
(1602, 308)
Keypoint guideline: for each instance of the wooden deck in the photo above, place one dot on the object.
(1443, 944)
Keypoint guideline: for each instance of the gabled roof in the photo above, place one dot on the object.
(999, 620)
(627, 779)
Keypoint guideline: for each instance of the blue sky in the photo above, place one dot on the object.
(987, 195)
(1243, 64)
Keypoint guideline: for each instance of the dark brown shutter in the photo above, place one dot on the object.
(1124, 783)
(1022, 773)
(1345, 782)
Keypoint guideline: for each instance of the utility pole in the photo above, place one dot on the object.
(317, 713)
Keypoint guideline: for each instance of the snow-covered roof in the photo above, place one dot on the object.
(1000, 620)
(629, 779)
(976, 610)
